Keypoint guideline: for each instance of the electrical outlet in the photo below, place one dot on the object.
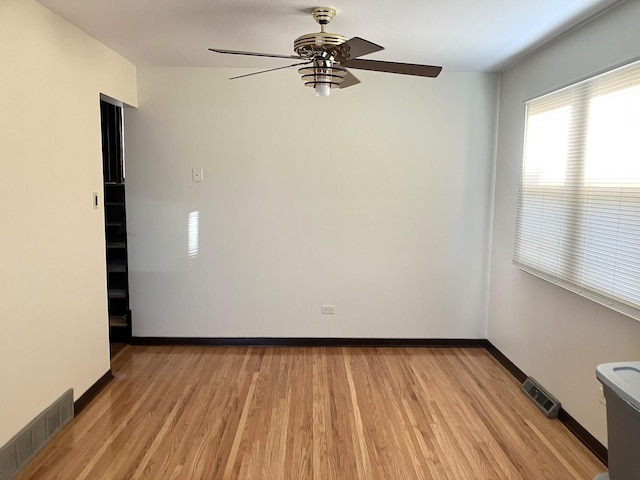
(328, 309)
(601, 398)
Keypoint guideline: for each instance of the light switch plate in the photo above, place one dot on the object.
(197, 174)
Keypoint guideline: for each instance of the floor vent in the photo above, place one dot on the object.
(21, 448)
(545, 402)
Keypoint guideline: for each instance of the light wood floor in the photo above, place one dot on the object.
(311, 413)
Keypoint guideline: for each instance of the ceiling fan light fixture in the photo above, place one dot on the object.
(323, 89)
(323, 76)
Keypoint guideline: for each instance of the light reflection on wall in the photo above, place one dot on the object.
(193, 234)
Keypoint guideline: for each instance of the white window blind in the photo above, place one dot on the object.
(578, 222)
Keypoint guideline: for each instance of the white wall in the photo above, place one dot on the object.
(376, 199)
(554, 335)
(53, 311)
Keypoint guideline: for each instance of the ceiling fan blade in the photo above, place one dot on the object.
(394, 67)
(270, 70)
(356, 47)
(255, 54)
(349, 80)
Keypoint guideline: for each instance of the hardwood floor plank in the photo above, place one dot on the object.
(235, 446)
(361, 450)
(315, 413)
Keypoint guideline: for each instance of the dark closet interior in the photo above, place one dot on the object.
(115, 222)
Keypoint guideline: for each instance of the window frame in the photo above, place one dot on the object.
(564, 276)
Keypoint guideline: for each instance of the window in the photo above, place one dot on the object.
(578, 221)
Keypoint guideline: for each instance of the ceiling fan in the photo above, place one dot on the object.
(325, 57)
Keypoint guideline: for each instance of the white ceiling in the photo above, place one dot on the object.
(460, 35)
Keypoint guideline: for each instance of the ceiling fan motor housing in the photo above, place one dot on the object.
(311, 45)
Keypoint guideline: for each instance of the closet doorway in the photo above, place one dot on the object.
(115, 224)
